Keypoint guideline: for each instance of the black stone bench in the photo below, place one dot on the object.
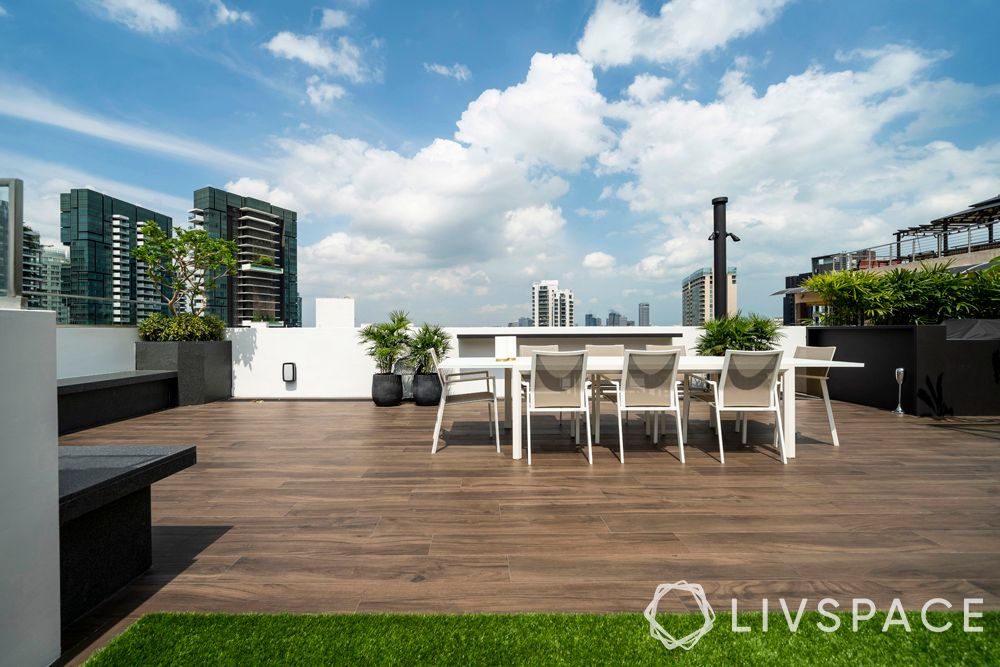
(92, 400)
(105, 525)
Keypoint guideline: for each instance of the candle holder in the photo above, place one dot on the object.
(900, 374)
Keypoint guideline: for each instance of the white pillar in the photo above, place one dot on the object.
(29, 489)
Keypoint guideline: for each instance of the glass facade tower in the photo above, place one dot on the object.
(265, 286)
(101, 234)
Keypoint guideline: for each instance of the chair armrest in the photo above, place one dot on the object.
(467, 376)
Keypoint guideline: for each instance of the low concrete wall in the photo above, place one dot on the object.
(29, 490)
(331, 363)
(86, 350)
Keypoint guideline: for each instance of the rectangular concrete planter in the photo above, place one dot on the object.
(204, 369)
(944, 377)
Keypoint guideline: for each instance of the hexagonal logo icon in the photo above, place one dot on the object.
(657, 631)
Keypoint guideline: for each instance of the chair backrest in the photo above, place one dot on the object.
(748, 378)
(558, 380)
(649, 378)
(527, 350)
(437, 368)
(605, 350)
(823, 353)
(681, 350)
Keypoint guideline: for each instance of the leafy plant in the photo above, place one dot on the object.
(388, 342)
(738, 332)
(428, 337)
(265, 260)
(927, 295)
(185, 265)
(184, 327)
(260, 316)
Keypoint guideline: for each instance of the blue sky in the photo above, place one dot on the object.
(444, 155)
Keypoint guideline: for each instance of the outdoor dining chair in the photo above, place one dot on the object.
(648, 384)
(604, 380)
(451, 380)
(820, 375)
(558, 384)
(748, 383)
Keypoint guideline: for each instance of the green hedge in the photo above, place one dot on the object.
(183, 327)
(928, 295)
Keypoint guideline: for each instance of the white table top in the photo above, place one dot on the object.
(692, 364)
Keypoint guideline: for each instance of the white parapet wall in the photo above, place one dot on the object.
(94, 350)
(330, 362)
(29, 490)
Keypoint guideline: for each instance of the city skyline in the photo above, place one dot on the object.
(396, 134)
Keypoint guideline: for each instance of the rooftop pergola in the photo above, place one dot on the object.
(985, 213)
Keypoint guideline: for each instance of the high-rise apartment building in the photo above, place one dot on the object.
(11, 202)
(31, 266)
(591, 320)
(643, 314)
(698, 296)
(265, 286)
(615, 319)
(54, 264)
(551, 306)
(101, 233)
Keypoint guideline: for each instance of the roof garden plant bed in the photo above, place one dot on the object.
(540, 639)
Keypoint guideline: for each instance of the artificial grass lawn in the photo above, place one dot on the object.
(537, 639)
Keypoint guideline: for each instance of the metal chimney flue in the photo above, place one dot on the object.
(720, 278)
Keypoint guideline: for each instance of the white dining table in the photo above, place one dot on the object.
(515, 369)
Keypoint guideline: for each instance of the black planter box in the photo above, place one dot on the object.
(204, 369)
(943, 377)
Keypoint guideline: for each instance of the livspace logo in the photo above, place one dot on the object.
(861, 610)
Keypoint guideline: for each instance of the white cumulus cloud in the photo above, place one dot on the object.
(554, 117)
(149, 16)
(344, 59)
(599, 261)
(620, 32)
(225, 15)
(333, 19)
(322, 94)
(457, 71)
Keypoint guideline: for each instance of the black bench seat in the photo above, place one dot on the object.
(92, 400)
(105, 518)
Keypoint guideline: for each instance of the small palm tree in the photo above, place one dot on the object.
(428, 337)
(738, 332)
(388, 342)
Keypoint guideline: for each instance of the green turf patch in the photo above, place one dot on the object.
(537, 639)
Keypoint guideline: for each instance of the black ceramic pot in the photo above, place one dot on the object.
(426, 389)
(387, 389)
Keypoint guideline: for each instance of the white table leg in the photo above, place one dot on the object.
(509, 394)
(595, 389)
(514, 406)
(788, 383)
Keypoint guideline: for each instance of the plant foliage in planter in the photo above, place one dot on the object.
(927, 295)
(738, 332)
(426, 384)
(428, 337)
(184, 327)
(388, 342)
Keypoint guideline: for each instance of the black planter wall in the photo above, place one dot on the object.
(943, 377)
(204, 369)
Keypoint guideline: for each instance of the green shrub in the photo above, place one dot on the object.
(738, 332)
(927, 295)
(183, 327)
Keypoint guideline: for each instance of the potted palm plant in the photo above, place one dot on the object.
(738, 332)
(388, 344)
(426, 384)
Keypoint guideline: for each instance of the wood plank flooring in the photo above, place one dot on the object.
(340, 507)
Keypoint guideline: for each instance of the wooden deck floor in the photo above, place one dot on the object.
(340, 507)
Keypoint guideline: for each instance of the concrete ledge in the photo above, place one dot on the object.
(92, 400)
